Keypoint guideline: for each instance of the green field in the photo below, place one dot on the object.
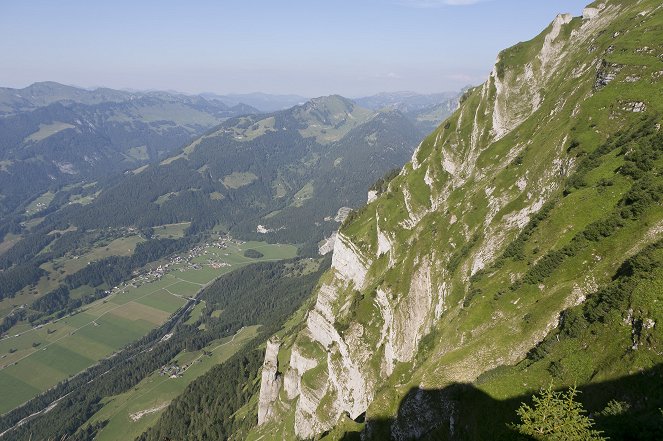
(131, 413)
(238, 179)
(170, 231)
(83, 200)
(8, 242)
(196, 313)
(46, 130)
(39, 204)
(33, 360)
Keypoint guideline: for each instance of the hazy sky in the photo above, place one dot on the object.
(307, 47)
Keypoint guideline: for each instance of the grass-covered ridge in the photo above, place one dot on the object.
(527, 203)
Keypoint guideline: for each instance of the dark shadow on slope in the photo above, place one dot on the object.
(464, 412)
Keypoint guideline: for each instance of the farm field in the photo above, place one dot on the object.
(34, 359)
(171, 231)
(39, 204)
(131, 413)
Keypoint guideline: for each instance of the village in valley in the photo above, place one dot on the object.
(215, 251)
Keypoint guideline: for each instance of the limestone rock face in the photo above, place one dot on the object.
(590, 13)
(270, 383)
(327, 245)
(299, 364)
(348, 261)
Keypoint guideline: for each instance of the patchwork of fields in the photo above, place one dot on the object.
(33, 360)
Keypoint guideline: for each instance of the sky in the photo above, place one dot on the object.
(306, 47)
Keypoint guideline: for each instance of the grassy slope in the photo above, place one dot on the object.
(499, 320)
(465, 218)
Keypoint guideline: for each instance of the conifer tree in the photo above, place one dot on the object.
(556, 416)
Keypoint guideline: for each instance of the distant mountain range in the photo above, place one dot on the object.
(405, 101)
(425, 111)
(263, 101)
(42, 94)
(53, 135)
(419, 106)
(48, 92)
(288, 171)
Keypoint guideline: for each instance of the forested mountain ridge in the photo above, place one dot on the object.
(288, 171)
(13, 101)
(520, 247)
(42, 94)
(54, 135)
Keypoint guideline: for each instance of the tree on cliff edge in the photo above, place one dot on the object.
(556, 416)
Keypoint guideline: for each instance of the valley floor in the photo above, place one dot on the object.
(35, 359)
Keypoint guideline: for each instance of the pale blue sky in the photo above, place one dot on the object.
(307, 47)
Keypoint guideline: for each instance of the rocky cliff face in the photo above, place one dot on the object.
(407, 303)
(270, 383)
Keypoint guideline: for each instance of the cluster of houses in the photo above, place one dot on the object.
(183, 262)
(172, 371)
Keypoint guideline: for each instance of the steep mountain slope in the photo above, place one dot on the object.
(540, 195)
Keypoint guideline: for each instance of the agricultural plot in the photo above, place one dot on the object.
(171, 231)
(39, 204)
(35, 359)
(131, 413)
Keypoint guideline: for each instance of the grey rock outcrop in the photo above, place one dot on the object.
(270, 383)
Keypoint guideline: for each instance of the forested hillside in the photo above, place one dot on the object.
(52, 135)
(289, 172)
